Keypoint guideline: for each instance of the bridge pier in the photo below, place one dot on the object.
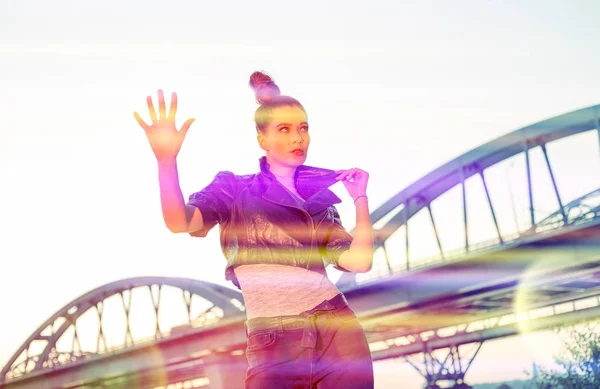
(452, 368)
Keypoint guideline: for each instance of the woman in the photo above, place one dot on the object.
(276, 228)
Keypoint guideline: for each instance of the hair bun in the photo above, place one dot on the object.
(264, 87)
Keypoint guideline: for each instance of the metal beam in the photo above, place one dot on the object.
(489, 199)
(488, 334)
(227, 335)
(561, 208)
(73, 310)
(432, 185)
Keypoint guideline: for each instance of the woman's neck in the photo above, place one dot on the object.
(284, 174)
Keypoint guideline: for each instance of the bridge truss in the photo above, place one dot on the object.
(202, 304)
(540, 213)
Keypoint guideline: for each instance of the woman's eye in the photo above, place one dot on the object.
(283, 128)
(305, 129)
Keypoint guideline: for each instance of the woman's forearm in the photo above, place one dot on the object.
(359, 258)
(171, 198)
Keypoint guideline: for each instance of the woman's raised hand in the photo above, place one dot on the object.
(355, 180)
(164, 138)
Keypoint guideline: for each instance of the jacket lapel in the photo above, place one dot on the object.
(312, 184)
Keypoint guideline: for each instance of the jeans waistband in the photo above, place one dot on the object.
(306, 320)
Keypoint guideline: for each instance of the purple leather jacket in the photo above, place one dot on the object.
(261, 222)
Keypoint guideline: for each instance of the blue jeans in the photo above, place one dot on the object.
(322, 348)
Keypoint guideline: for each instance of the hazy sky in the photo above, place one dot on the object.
(396, 88)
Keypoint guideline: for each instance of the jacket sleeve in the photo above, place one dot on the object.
(337, 242)
(214, 201)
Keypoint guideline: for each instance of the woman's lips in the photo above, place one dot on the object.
(298, 152)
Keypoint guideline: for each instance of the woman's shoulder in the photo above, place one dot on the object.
(229, 175)
(238, 181)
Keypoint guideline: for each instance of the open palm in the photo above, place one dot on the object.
(165, 140)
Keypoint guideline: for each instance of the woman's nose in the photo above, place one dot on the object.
(298, 138)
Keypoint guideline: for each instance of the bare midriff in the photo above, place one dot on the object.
(278, 290)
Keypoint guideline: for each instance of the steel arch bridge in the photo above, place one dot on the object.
(396, 214)
(217, 303)
(478, 287)
(456, 294)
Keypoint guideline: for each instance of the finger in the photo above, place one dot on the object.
(353, 175)
(360, 171)
(161, 105)
(173, 108)
(140, 121)
(341, 174)
(186, 126)
(151, 109)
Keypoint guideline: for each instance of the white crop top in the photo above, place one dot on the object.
(277, 290)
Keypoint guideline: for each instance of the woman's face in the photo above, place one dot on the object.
(287, 131)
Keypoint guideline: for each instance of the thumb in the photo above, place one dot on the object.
(186, 126)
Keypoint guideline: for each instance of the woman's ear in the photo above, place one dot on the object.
(262, 142)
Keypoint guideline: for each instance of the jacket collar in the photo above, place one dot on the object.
(312, 184)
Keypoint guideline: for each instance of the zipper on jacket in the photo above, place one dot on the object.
(323, 218)
(312, 223)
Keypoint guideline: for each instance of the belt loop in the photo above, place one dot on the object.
(309, 336)
(280, 324)
(246, 328)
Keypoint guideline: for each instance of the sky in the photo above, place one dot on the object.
(396, 88)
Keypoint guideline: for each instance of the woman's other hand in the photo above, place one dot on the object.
(355, 180)
(164, 138)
